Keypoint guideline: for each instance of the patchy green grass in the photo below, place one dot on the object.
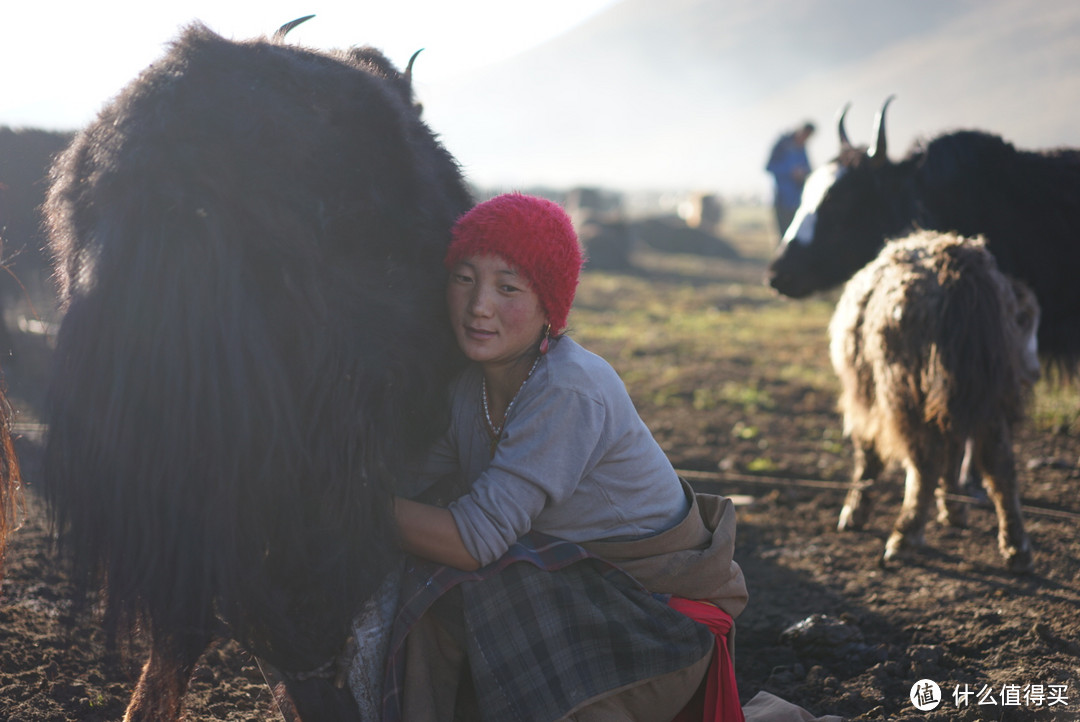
(718, 365)
(1055, 406)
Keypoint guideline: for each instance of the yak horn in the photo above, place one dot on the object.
(879, 153)
(284, 29)
(408, 68)
(844, 142)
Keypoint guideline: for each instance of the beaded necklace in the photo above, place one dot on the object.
(495, 432)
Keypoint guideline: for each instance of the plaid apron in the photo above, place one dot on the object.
(547, 627)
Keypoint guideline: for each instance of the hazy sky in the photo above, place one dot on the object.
(673, 94)
(61, 61)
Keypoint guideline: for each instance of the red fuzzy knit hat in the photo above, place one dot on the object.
(535, 236)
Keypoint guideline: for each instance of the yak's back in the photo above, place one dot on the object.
(249, 243)
(1027, 205)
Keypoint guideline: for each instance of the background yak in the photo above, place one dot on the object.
(249, 245)
(1025, 204)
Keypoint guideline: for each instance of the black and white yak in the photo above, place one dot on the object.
(1025, 204)
(933, 346)
(249, 244)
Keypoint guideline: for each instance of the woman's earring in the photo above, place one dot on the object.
(545, 340)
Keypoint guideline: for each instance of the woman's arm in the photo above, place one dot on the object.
(431, 532)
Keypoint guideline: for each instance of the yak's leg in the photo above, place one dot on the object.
(859, 500)
(159, 694)
(995, 455)
(970, 477)
(953, 511)
(924, 467)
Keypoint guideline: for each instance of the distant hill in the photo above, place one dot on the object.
(691, 93)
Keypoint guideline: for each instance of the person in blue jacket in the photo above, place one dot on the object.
(789, 166)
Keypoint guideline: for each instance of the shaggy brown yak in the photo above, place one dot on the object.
(933, 346)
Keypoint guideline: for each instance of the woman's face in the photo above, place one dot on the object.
(495, 315)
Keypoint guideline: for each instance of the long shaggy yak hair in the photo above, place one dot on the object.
(933, 346)
(248, 241)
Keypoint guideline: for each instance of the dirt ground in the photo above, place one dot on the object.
(735, 384)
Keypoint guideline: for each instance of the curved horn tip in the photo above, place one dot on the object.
(879, 150)
(284, 29)
(408, 68)
(844, 142)
(885, 107)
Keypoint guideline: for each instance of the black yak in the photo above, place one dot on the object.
(1025, 204)
(249, 245)
(933, 346)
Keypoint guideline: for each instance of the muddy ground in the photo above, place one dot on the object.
(735, 384)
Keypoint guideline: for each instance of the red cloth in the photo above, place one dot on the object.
(718, 700)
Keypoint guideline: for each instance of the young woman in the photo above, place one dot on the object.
(558, 584)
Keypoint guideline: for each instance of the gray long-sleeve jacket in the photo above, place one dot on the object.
(575, 459)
